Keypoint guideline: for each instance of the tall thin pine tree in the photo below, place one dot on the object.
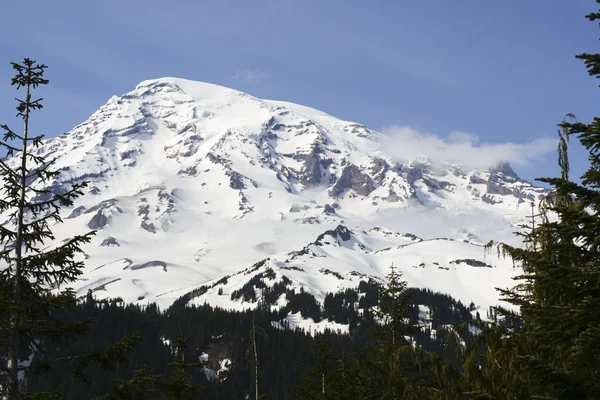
(33, 277)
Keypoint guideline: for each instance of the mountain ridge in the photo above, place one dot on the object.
(192, 182)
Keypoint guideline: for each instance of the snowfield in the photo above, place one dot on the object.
(193, 182)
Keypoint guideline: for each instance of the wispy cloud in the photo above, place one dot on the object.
(405, 143)
(249, 76)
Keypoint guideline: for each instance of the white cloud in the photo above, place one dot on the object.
(249, 76)
(405, 143)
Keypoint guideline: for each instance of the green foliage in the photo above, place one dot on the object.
(179, 386)
(550, 350)
(34, 276)
(395, 362)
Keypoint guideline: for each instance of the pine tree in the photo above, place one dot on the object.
(33, 275)
(316, 383)
(180, 386)
(333, 378)
(555, 341)
(399, 367)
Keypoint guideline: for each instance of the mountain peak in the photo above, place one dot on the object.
(205, 180)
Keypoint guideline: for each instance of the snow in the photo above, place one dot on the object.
(164, 157)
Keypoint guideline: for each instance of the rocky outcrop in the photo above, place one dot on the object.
(379, 168)
(98, 221)
(339, 233)
(494, 188)
(329, 210)
(76, 212)
(237, 180)
(352, 179)
(110, 242)
(310, 175)
(150, 264)
(472, 262)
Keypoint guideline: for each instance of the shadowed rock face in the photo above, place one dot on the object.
(489, 199)
(494, 188)
(340, 232)
(353, 178)
(98, 221)
(76, 212)
(329, 210)
(150, 264)
(471, 262)
(379, 169)
(109, 242)
(311, 171)
(236, 180)
(477, 180)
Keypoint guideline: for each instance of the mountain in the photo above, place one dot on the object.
(195, 186)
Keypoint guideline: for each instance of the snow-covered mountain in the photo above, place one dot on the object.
(197, 185)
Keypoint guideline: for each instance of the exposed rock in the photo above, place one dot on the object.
(475, 179)
(392, 197)
(110, 241)
(414, 172)
(353, 178)
(472, 263)
(98, 221)
(308, 220)
(76, 212)
(143, 210)
(126, 155)
(329, 210)
(150, 264)
(325, 162)
(103, 205)
(489, 199)
(216, 159)
(189, 171)
(412, 237)
(379, 168)
(311, 170)
(148, 226)
(340, 232)
(236, 180)
(494, 188)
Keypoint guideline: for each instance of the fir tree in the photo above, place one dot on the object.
(180, 386)
(555, 339)
(33, 275)
(333, 378)
(398, 366)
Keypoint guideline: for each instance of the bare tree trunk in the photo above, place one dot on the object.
(255, 356)
(14, 339)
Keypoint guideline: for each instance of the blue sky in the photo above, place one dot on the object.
(503, 71)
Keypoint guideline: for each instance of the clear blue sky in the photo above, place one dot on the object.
(504, 71)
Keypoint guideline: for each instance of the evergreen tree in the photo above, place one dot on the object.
(333, 378)
(555, 338)
(179, 386)
(316, 382)
(400, 369)
(33, 275)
